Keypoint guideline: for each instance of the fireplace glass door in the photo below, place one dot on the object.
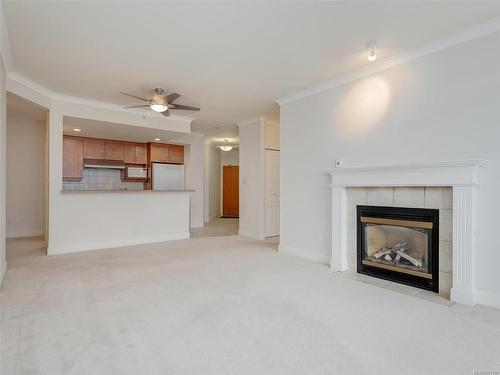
(399, 244)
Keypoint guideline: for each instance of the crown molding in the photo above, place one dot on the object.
(5, 51)
(16, 78)
(252, 121)
(437, 45)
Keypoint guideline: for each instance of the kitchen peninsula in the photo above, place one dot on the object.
(107, 190)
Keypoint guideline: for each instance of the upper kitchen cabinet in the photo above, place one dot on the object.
(93, 148)
(113, 150)
(162, 153)
(134, 153)
(158, 153)
(176, 154)
(102, 150)
(72, 158)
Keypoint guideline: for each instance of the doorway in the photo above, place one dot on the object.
(26, 170)
(272, 192)
(230, 191)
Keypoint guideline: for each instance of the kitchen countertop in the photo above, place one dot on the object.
(126, 191)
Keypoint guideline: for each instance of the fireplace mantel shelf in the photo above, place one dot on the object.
(454, 173)
(462, 176)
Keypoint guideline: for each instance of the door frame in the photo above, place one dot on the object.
(266, 235)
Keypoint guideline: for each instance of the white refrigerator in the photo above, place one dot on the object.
(168, 176)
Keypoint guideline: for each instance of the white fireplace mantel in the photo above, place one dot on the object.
(462, 176)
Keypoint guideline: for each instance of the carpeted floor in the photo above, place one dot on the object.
(224, 305)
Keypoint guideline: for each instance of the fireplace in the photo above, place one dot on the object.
(399, 244)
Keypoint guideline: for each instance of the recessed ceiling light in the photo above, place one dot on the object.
(157, 139)
(77, 130)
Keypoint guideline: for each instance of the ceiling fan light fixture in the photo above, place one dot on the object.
(159, 107)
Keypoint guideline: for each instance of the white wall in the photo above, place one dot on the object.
(25, 175)
(272, 135)
(194, 164)
(441, 107)
(251, 158)
(98, 220)
(214, 182)
(4, 56)
(230, 157)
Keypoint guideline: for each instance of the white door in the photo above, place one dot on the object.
(272, 191)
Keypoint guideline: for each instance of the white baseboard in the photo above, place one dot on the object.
(255, 236)
(463, 297)
(25, 233)
(3, 272)
(301, 253)
(64, 249)
(488, 299)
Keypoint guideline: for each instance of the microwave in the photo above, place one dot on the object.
(136, 172)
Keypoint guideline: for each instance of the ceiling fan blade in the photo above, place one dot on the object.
(185, 107)
(136, 97)
(137, 106)
(166, 113)
(171, 97)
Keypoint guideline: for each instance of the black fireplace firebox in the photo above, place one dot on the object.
(399, 244)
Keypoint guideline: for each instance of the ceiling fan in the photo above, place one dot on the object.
(160, 102)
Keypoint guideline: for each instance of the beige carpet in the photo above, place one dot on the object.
(224, 305)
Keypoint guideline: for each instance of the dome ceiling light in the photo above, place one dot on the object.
(226, 147)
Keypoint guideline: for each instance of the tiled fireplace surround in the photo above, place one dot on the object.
(420, 197)
(447, 186)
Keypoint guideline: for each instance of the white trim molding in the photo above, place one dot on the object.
(255, 236)
(304, 254)
(463, 36)
(65, 249)
(3, 271)
(462, 176)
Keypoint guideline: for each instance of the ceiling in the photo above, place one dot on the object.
(119, 132)
(230, 58)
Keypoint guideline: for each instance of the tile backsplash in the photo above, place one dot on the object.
(102, 179)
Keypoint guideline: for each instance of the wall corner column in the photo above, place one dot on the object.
(55, 159)
(339, 229)
(464, 217)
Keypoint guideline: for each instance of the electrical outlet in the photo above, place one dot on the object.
(339, 163)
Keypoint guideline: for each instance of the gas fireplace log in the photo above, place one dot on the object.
(403, 246)
(388, 258)
(397, 259)
(409, 258)
(382, 252)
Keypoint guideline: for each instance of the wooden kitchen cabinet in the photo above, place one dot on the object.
(113, 150)
(176, 154)
(129, 153)
(163, 153)
(141, 154)
(159, 153)
(72, 158)
(93, 148)
(134, 153)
